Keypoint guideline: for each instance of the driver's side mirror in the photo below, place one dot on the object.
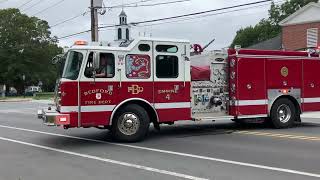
(96, 60)
(58, 58)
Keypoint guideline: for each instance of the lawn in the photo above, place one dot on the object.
(38, 96)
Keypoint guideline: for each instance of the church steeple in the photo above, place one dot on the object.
(123, 29)
(123, 18)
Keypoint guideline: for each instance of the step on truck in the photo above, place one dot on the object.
(126, 87)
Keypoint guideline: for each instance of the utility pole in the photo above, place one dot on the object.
(94, 22)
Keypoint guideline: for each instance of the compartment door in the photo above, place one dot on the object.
(251, 87)
(311, 85)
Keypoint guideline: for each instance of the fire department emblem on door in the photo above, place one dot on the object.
(135, 89)
(284, 71)
(98, 96)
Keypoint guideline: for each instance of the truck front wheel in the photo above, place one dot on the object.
(283, 113)
(131, 124)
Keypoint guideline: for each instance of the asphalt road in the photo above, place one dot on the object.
(218, 151)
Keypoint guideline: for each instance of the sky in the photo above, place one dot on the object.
(201, 30)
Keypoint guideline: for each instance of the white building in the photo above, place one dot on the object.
(123, 29)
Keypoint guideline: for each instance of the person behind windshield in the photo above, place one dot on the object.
(106, 67)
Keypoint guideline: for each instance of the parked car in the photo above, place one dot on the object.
(12, 92)
(31, 90)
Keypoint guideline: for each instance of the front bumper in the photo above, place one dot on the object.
(53, 118)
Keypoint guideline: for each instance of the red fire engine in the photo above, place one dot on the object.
(125, 88)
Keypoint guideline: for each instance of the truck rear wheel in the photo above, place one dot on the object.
(131, 124)
(283, 113)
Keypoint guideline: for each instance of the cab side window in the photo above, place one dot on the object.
(106, 69)
(107, 66)
(167, 48)
(167, 66)
(138, 66)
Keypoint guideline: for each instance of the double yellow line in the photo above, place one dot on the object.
(285, 136)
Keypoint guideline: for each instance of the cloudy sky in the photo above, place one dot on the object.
(200, 30)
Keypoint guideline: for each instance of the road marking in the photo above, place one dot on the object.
(290, 171)
(184, 176)
(284, 136)
(18, 111)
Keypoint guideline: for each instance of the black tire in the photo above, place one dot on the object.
(130, 132)
(239, 122)
(283, 114)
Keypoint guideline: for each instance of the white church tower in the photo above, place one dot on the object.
(123, 29)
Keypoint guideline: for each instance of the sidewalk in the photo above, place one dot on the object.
(43, 101)
(16, 100)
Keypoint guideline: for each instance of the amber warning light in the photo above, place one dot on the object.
(285, 91)
(81, 43)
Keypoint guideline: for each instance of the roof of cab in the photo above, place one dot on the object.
(131, 46)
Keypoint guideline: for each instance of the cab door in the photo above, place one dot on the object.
(171, 82)
(98, 96)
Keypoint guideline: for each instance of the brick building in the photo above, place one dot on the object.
(301, 30)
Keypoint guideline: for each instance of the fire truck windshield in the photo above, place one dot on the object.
(73, 65)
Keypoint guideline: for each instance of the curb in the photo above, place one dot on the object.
(16, 100)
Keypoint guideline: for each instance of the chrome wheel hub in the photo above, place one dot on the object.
(284, 113)
(129, 124)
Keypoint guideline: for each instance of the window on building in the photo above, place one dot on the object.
(312, 37)
(144, 47)
(138, 66)
(127, 34)
(119, 33)
(167, 48)
(167, 66)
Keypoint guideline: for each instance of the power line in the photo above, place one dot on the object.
(172, 17)
(69, 19)
(199, 13)
(128, 4)
(24, 4)
(82, 14)
(78, 33)
(208, 15)
(33, 5)
(203, 16)
(147, 5)
(136, 5)
(53, 5)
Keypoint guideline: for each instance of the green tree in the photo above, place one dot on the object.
(26, 48)
(268, 28)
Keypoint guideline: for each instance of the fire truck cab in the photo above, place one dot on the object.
(126, 87)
